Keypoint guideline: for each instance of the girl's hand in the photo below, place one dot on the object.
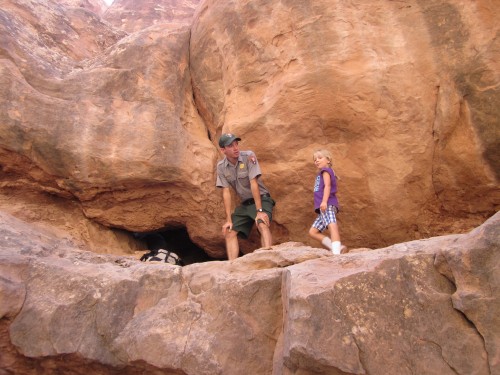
(322, 206)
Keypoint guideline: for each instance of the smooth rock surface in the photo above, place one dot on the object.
(118, 113)
(428, 306)
(406, 97)
(132, 16)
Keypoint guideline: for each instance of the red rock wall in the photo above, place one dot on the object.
(122, 117)
(404, 95)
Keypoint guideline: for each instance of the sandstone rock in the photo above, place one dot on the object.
(119, 128)
(124, 123)
(405, 96)
(377, 306)
(96, 6)
(417, 307)
(467, 264)
(64, 220)
(132, 16)
(45, 40)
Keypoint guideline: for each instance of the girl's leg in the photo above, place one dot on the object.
(316, 234)
(334, 232)
(335, 237)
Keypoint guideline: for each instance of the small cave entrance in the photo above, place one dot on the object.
(176, 240)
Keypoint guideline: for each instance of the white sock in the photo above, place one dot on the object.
(336, 247)
(327, 242)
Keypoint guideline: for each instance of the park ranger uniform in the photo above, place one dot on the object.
(238, 177)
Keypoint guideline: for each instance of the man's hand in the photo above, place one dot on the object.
(227, 227)
(262, 216)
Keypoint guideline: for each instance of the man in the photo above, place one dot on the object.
(240, 171)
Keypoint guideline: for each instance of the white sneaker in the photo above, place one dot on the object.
(336, 247)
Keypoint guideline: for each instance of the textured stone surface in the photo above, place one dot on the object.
(118, 133)
(426, 307)
(110, 124)
(388, 309)
(118, 116)
(65, 220)
(406, 97)
(96, 6)
(131, 16)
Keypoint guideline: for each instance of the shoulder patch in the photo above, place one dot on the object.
(248, 156)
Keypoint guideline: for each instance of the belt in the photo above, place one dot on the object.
(250, 201)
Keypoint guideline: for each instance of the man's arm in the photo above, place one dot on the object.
(254, 186)
(226, 198)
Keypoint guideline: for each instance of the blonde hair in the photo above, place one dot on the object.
(325, 154)
(328, 155)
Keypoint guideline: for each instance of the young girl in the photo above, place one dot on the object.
(326, 203)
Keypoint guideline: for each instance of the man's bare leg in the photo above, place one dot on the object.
(266, 238)
(232, 247)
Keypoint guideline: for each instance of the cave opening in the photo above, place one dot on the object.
(176, 240)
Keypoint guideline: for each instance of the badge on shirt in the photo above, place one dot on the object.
(242, 166)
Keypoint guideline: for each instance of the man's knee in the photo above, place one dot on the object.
(231, 234)
(262, 226)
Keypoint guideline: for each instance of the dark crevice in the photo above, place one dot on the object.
(176, 240)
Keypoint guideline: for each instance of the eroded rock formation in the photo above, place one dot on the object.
(131, 16)
(118, 127)
(423, 307)
(401, 94)
(118, 112)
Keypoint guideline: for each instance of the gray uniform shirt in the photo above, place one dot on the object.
(238, 176)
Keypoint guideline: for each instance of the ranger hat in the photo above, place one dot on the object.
(227, 139)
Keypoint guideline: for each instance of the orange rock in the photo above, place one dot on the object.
(125, 125)
(421, 307)
(405, 97)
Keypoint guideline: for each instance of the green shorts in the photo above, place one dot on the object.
(244, 216)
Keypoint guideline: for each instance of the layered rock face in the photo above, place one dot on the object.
(423, 307)
(96, 6)
(105, 131)
(131, 16)
(405, 97)
(119, 116)
(109, 120)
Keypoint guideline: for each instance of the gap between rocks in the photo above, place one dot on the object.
(173, 239)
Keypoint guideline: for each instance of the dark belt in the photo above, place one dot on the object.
(250, 201)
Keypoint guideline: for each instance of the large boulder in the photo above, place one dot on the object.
(132, 16)
(117, 132)
(422, 307)
(118, 117)
(96, 6)
(405, 96)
